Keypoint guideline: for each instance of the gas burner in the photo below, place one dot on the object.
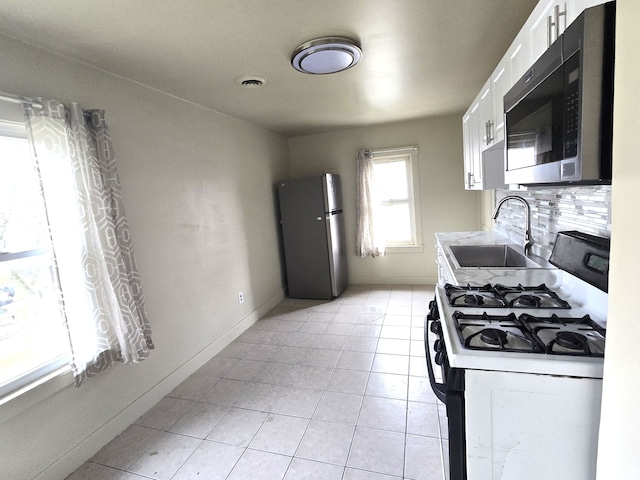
(473, 296)
(493, 336)
(572, 340)
(473, 300)
(531, 297)
(567, 336)
(525, 301)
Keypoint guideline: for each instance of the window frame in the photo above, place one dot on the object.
(409, 155)
(36, 377)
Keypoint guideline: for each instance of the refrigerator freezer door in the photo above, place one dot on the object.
(338, 257)
(304, 234)
(332, 188)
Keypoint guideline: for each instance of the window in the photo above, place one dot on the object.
(395, 191)
(33, 339)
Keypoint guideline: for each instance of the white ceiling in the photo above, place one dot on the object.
(420, 57)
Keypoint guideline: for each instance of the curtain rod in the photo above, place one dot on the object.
(12, 99)
(388, 150)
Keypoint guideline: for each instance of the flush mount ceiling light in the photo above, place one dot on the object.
(326, 55)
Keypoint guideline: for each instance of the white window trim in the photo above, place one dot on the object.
(25, 397)
(414, 197)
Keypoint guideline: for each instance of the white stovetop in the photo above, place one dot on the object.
(591, 301)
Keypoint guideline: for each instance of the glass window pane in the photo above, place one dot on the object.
(391, 180)
(395, 222)
(33, 338)
(22, 216)
(31, 329)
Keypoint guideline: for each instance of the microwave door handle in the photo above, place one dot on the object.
(439, 389)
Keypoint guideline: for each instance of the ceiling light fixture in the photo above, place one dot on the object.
(326, 55)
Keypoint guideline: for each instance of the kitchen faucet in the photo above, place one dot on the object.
(528, 239)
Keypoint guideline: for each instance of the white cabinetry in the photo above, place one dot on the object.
(527, 427)
(518, 58)
(500, 84)
(550, 19)
(479, 135)
(483, 124)
(445, 275)
(471, 143)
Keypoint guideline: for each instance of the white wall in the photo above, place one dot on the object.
(200, 198)
(445, 205)
(620, 420)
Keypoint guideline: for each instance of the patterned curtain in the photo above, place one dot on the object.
(368, 242)
(101, 295)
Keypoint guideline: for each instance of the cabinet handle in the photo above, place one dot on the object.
(489, 128)
(553, 24)
(469, 181)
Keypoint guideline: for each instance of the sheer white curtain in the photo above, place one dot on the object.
(369, 242)
(101, 295)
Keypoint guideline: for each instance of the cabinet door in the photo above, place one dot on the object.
(576, 7)
(552, 18)
(467, 149)
(472, 144)
(475, 180)
(500, 84)
(519, 59)
(486, 118)
(542, 32)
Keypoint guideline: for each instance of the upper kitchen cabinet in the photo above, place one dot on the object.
(500, 84)
(483, 124)
(471, 147)
(549, 19)
(483, 169)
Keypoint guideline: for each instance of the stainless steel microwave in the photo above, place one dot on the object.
(559, 115)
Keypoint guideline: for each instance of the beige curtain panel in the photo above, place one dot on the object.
(368, 242)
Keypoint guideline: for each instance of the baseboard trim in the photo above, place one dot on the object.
(393, 280)
(82, 452)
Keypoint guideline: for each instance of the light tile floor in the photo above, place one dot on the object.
(314, 390)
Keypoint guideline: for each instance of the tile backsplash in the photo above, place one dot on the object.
(586, 209)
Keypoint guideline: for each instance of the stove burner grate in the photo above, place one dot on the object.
(495, 332)
(474, 296)
(567, 336)
(531, 297)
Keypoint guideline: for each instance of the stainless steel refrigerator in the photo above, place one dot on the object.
(313, 236)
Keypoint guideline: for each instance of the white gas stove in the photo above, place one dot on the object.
(522, 369)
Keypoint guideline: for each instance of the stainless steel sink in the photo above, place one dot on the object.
(490, 256)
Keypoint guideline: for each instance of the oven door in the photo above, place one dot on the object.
(449, 391)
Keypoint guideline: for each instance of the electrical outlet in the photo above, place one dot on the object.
(240, 297)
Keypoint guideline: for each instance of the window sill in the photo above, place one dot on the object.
(34, 392)
(404, 249)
